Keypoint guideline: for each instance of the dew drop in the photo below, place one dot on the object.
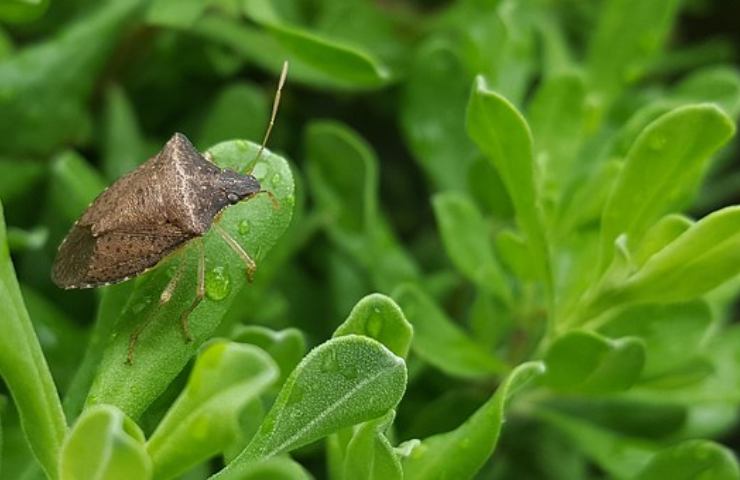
(330, 363)
(244, 227)
(218, 283)
(276, 179)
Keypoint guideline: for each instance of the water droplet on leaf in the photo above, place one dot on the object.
(244, 227)
(330, 363)
(218, 283)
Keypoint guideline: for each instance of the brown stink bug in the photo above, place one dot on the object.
(170, 200)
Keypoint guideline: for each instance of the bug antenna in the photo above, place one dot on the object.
(275, 105)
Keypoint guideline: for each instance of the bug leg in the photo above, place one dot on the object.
(251, 267)
(200, 292)
(165, 297)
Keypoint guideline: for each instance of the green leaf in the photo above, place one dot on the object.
(692, 459)
(514, 254)
(104, 444)
(161, 351)
(378, 316)
(703, 257)
(662, 233)
(314, 60)
(59, 336)
(616, 58)
(286, 347)
(275, 468)
(175, 13)
(22, 11)
(620, 456)
(433, 124)
(660, 170)
(124, 144)
(343, 176)
(342, 382)
(468, 243)
(24, 369)
(440, 342)
(586, 362)
(369, 455)
(202, 421)
(337, 59)
(716, 84)
(673, 334)
(556, 116)
(503, 136)
(75, 184)
(44, 89)
(462, 452)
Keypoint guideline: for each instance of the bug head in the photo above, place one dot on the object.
(237, 187)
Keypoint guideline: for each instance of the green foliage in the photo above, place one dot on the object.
(524, 211)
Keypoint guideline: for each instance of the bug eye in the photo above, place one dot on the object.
(232, 197)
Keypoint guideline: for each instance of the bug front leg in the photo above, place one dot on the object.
(249, 264)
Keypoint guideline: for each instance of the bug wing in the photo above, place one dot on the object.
(85, 260)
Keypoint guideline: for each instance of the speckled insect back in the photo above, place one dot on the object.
(147, 214)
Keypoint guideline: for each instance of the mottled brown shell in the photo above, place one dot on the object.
(146, 214)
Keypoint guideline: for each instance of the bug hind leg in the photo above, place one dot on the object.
(200, 292)
(164, 298)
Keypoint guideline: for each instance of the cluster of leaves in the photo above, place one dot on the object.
(558, 159)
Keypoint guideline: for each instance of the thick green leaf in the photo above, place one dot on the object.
(275, 468)
(673, 334)
(620, 456)
(716, 84)
(629, 34)
(467, 240)
(585, 362)
(24, 369)
(660, 170)
(343, 175)
(434, 124)
(175, 13)
(514, 254)
(22, 11)
(378, 316)
(59, 336)
(286, 347)
(203, 419)
(45, 88)
(336, 59)
(161, 351)
(104, 444)
(345, 381)
(556, 115)
(503, 136)
(440, 342)
(459, 454)
(692, 459)
(663, 232)
(700, 259)
(369, 455)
